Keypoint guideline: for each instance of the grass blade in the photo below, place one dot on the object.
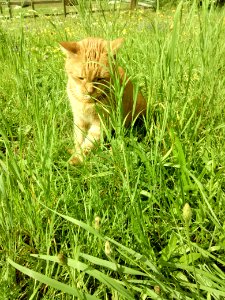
(52, 282)
(110, 282)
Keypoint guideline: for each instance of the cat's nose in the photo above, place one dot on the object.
(90, 88)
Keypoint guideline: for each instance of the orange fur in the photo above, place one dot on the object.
(88, 70)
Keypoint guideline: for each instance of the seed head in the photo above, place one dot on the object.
(97, 223)
(108, 249)
(62, 259)
(157, 289)
(187, 213)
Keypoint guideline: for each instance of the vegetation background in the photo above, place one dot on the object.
(144, 216)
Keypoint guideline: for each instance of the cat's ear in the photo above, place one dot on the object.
(69, 47)
(115, 45)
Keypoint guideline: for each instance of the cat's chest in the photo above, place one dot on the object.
(85, 111)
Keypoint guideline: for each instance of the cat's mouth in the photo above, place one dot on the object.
(89, 99)
(92, 98)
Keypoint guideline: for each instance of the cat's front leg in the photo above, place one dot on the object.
(93, 137)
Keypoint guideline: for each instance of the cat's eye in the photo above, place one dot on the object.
(81, 78)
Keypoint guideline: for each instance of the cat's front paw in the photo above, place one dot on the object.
(76, 160)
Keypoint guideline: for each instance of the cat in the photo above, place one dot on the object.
(89, 65)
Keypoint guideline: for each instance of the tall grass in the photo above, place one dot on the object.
(136, 184)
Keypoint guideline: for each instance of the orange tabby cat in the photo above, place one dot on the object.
(88, 65)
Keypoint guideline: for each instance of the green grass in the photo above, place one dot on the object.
(51, 246)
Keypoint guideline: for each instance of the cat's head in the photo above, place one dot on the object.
(87, 65)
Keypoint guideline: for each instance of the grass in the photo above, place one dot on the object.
(56, 219)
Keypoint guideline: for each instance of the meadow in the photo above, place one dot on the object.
(144, 216)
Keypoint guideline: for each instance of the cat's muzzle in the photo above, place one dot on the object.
(89, 99)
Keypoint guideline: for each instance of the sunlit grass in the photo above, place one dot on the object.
(136, 183)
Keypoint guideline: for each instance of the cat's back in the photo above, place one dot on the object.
(131, 99)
